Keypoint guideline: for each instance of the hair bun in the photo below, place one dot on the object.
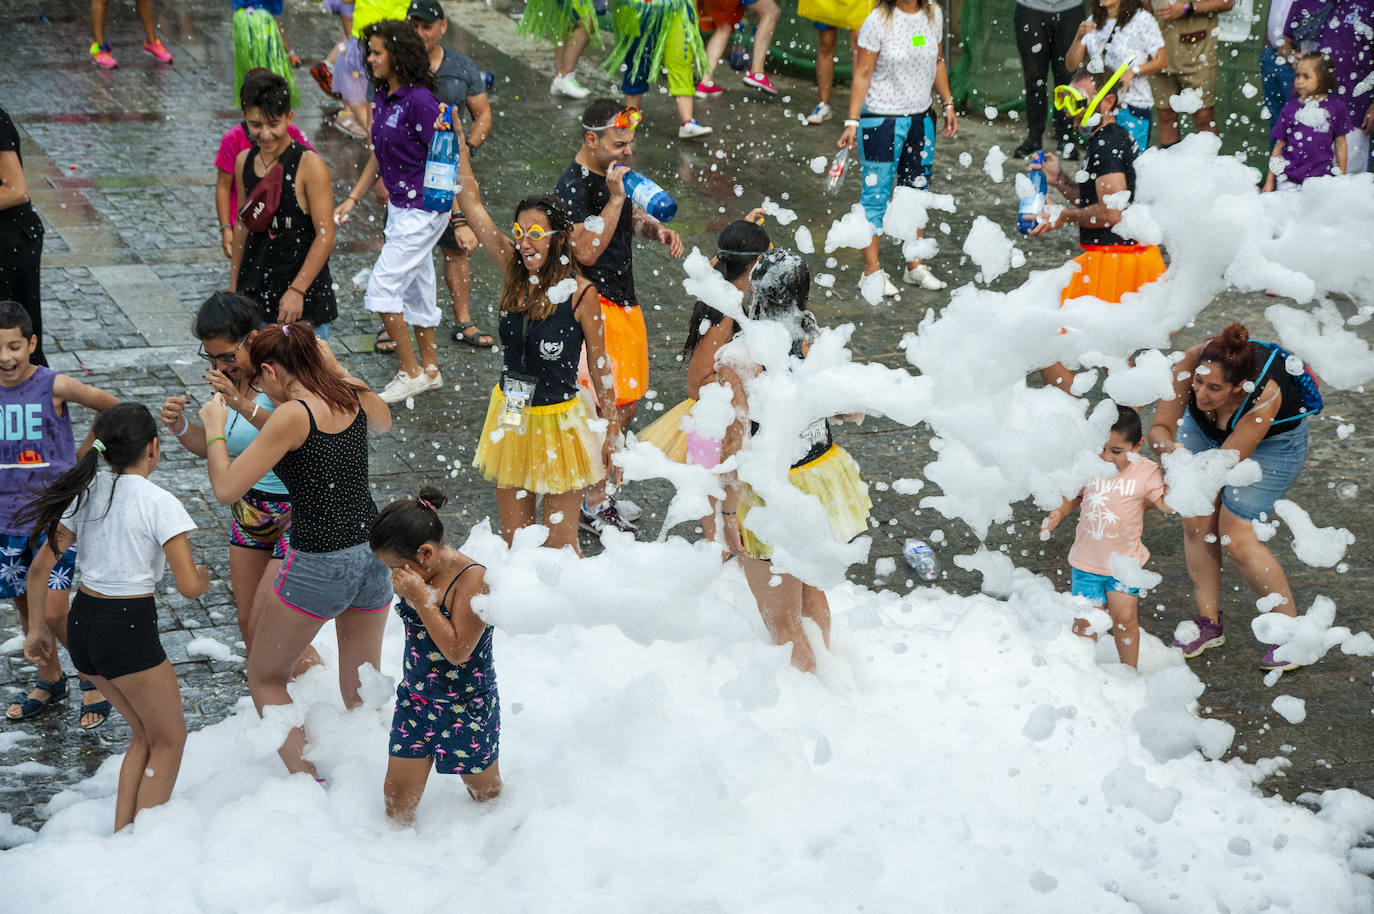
(1235, 337)
(432, 497)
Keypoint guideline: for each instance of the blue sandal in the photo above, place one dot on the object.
(32, 707)
(99, 708)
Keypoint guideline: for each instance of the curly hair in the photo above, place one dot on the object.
(409, 60)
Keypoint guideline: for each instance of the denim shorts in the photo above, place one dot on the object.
(1095, 586)
(16, 558)
(1280, 458)
(324, 584)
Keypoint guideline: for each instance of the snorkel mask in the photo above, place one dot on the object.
(1072, 101)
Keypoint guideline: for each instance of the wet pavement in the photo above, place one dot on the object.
(119, 163)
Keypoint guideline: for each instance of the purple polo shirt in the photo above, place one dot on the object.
(1309, 131)
(402, 125)
(1347, 40)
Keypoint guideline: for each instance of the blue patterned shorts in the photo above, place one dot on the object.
(15, 559)
(461, 738)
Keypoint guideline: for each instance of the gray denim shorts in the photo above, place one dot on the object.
(324, 584)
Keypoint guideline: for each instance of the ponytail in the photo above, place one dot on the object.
(296, 349)
(1233, 353)
(122, 434)
(406, 524)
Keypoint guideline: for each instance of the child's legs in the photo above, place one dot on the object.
(484, 785)
(359, 633)
(404, 785)
(1122, 607)
(282, 636)
(715, 51)
(561, 514)
(827, 39)
(150, 701)
(516, 508)
(50, 669)
(768, 12)
(780, 605)
(817, 608)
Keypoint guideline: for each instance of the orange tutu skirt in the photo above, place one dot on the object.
(555, 451)
(833, 478)
(1108, 272)
(667, 434)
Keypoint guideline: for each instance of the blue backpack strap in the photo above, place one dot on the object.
(1250, 397)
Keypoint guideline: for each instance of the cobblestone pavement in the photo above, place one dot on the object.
(120, 166)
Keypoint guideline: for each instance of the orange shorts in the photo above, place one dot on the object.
(627, 344)
(1108, 272)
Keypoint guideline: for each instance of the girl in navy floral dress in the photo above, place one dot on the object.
(448, 713)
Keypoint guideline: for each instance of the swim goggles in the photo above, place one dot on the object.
(1072, 101)
(626, 119)
(533, 233)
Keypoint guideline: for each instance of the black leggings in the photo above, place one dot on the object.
(1042, 40)
(21, 241)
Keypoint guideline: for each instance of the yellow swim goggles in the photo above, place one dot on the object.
(1073, 102)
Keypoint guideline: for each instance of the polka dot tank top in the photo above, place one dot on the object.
(331, 503)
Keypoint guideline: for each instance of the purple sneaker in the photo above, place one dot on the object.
(1268, 661)
(1209, 634)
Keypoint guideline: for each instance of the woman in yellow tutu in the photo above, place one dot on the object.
(538, 437)
(823, 469)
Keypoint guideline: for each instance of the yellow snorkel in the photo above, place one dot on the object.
(1072, 101)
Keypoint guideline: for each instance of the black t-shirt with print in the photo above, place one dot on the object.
(586, 194)
(1111, 150)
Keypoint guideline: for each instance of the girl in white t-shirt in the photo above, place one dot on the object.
(130, 530)
(900, 62)
(1120, 30)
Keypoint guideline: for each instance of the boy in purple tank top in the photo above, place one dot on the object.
(37, 446)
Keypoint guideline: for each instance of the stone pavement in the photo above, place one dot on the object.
(120, 165)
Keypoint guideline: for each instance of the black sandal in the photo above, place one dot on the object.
(383, 343)
(101, 709)
(32, 707)
(473, 340)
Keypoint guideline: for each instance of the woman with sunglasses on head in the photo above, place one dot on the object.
(1110, 266)
(316, 442)
(537, 438)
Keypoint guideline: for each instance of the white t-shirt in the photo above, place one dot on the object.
(1141, 37)
(119, 550)
(908, 48)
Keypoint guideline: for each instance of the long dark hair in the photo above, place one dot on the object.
(520, 294)
(122, 434)
(782, 283)
(1124, 14)
(887, 7)
(407, 524)
(737, 248)
(1233, 353)
(226, 316)
(409, 59)
(295, 349)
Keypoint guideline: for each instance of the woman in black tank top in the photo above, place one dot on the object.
(286, 268)
(1224, 398)
(547, 447)
(316, 439)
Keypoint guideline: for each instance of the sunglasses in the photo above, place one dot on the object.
(1073, 102)
(627, 119)
(223, 358)
(533, 233)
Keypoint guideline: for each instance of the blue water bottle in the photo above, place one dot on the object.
(649, 197)
(1028, 213)
(441, 169)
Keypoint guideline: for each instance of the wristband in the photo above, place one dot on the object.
(851, 122)
(297, 291)
(185, 426)
(208, 441)
(225, 225)
(353, 198)
(254, 413)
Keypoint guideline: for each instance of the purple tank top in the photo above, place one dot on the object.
(36, 444)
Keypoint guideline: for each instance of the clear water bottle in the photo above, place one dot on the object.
(649, 197)
(740, 58)
(834, 176)
(441, 169)
(921, 558)
(1028, 213)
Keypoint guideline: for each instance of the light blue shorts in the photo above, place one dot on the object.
(1095, 586)
(1280, 458)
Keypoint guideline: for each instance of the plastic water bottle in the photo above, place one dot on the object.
(921, 558)
(834, 176)
(1028, 213)
(488, 79)
(441, 169)
(740, 58)
(649, 197)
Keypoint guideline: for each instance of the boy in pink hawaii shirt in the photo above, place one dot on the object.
(1110, 523)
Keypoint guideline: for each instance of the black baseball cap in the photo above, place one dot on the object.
(426, 11)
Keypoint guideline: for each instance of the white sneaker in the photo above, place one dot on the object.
(874, 287)
(569, 86)
(628, 509)
(692, 129)
(819, 114)
(923, 278)
(433, 381)
(403, 386)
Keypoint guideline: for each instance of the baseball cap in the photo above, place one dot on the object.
(426, 11)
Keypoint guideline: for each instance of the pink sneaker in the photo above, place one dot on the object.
(101, 56)
(760, 81)
(708, 90)
(158, 50)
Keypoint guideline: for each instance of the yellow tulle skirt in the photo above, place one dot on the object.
(667, 434)
(833, 478)
(556, 451)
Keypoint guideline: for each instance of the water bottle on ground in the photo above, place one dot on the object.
(441, 169)
(1028, 213)
(839, 166)
(740, 58)
(922, 559)
(649, 197)
(488, 79)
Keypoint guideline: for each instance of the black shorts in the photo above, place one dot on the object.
(113, 636)
(448, 241)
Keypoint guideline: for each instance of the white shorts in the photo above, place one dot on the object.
(402, 280)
